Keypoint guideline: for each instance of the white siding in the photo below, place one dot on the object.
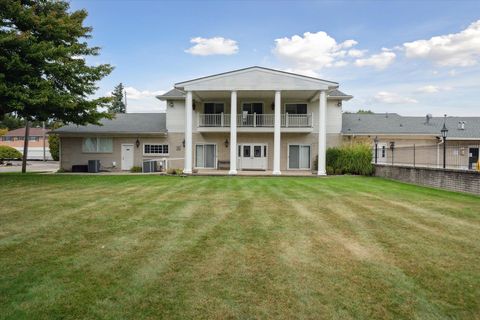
(176, 116)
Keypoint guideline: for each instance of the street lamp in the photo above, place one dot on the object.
(444, 132)
(375, 140)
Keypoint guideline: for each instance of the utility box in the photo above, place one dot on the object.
(149, 166)
(93, 166)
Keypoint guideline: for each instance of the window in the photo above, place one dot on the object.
(299, 157)
(383, 151)
(214, 108)
(34, 138)
(7, 138)
(251, 108)
(205, 155)
(296, 108)
(246, 151)
(98, 145)
(155, 149)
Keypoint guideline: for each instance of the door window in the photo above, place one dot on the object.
(205, 156)
(257, 151)
(299, 157)
(246, 151)
(296, 108)
(214, 108)
(251, 108)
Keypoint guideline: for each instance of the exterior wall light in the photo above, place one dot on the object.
(137, 143)
(226, 143)
(183, 143)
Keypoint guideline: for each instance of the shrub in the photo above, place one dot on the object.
(175, 171)
(136, 169)
(7, 152)
(350, 159)
(54, 145)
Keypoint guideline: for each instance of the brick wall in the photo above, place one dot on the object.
(454, 180)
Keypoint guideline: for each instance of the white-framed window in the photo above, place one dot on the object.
(299, 156)
(97, 145)
(205, 156)
(155, 149)
(296, 108)
(214, 107)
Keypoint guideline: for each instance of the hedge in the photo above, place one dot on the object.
(7, 153)
(350, 159)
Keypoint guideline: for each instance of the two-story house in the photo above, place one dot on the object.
(248, 119)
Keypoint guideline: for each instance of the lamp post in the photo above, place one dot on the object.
(444, 132)
(375, 140)
(392, 147)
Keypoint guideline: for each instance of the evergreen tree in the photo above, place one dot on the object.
(43, 72)
(117, 105)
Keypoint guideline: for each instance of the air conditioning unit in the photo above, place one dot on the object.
(149, 166)
(93, 166)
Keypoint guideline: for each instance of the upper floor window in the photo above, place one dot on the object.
(296, 108)
(98, 145)
(155, 149)
(252, 107)
(214, 107)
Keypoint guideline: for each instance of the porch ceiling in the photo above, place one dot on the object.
(250, 94)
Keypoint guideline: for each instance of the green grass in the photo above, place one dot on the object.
(117, 247)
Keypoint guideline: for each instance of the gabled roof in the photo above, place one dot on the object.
(123, 123)
(256, 78)
(176, 94)
(392, 123)
(32, 132)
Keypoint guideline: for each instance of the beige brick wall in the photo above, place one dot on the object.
(72, 154)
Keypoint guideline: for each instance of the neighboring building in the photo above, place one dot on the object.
(38, 139)
(280, 121)
(417, 139)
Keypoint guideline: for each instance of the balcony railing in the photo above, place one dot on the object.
(256, 120)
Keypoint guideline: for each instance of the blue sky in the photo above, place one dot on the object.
(409, 57)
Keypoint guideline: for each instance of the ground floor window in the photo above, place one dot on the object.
(298, 156)
(155, 149)
(205, 155)
(98, 145)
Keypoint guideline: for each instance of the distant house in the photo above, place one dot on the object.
(405, 132)
(38, 139)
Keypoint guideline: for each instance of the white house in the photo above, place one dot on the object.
(263, 119)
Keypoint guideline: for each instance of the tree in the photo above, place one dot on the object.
(11, 122)
(54, 142)
(117, 105)
(361, 111)
(43, 72)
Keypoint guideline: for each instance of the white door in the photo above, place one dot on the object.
(127, 156)
(252, 157)
(381, 153)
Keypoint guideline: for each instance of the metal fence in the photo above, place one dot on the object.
(450, 156)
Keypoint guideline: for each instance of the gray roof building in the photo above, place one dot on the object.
(392, 123)
(123, 123)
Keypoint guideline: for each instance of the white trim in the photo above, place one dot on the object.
(155, 154)
(195, 155)
(288, 156)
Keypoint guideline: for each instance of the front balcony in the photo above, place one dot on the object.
(255, 122)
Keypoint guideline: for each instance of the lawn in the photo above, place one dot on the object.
(117, 247)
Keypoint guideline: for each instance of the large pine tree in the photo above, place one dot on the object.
(43, 72)
(117, 104)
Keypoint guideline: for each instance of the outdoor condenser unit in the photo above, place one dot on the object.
(93, 166)
(149, 166)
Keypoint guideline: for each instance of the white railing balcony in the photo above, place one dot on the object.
(256, 120)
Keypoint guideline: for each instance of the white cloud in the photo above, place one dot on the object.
(356, 53)
(379, 61)
(313, 51)
(212, 46)
(457, 49)
(432, 89)
(392, 98)
(143, 101)
(135, 94)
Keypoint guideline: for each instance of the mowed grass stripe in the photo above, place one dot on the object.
(144, 247)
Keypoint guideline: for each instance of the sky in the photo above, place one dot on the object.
(407, 57)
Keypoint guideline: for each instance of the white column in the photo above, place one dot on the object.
(188, 133)
(276, 134)
(233, 133)
(322, 133)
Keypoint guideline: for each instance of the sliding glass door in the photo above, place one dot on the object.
(298, 156)
(205, 156)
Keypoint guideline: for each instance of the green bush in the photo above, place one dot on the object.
(136, 169)
(54, 145)
(350, 159)
(175, 171)
(7, 152)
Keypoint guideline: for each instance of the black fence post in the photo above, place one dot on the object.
(392, 146)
